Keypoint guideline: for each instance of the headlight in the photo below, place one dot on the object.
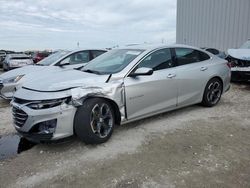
(48, 103)
(13, 79)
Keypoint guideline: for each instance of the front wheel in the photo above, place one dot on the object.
(212, 93)
(94, 121)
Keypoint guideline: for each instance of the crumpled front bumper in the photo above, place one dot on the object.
(25, 119)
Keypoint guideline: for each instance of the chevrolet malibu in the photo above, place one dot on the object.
(121, 86)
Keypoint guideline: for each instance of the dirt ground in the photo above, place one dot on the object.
(190, 147)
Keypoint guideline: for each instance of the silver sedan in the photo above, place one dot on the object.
(121, 86)
(58, 61)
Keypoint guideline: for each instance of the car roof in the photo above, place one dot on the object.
(82, 49)
(155, 46)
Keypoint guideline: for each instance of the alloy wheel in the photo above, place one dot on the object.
(214, 92)
(101, 120)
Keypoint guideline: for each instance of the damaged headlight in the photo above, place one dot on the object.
(48, 103)
(13, 79)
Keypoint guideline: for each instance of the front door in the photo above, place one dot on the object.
(152, 93)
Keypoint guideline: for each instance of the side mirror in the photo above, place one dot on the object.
(143, 71)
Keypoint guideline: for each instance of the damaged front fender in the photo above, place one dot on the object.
(113, 91)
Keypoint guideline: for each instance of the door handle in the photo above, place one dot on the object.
(203, 68)
(171, 75)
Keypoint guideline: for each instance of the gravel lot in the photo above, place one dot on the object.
(191, 147)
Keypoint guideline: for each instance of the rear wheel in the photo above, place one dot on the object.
(212, 93)
(94, 121)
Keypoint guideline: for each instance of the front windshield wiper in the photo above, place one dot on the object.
(39, 64)
(92, 71)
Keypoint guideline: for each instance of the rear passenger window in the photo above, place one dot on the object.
(158, 60)
(187, 55)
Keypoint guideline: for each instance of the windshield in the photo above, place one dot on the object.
(52, 58)
(112, 62)
(17, 58)
(246, 45)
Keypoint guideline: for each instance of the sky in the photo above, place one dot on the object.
(61, 24)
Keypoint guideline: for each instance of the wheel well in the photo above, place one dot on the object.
(115, 108)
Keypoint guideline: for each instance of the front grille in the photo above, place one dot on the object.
(19, 116)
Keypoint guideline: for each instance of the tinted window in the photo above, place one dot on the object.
(187, 55)
(96, 53)
(158, 60)
(17, 58)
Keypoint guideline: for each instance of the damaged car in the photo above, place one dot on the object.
(240, 62)
(120, 86)
(59, 61)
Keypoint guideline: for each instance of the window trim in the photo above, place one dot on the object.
(176, 59)
(148, 54)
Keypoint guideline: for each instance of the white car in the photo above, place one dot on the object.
(13, 61)
(59, 61)
(240, 62)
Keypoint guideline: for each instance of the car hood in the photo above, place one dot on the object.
(242, 54)
(25, 70)
(63, 80)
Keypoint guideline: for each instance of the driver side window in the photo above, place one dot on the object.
(158, 60)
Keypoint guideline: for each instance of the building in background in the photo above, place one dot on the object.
(220, 24)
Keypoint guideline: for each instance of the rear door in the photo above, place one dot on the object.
(191, 74)
(152, 93)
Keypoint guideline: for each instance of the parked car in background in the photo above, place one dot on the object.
(240, 62)
(216, 52)
(2, 57)
(3, 54)
(13, 61)
(59, 61)
(120, 86)
(38, 56)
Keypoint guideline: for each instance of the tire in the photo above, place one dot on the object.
(212, 93)
(94, 121)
